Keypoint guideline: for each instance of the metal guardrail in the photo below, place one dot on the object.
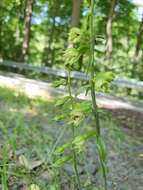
(129, 83)
(46, 70)
(37, 88)
(124, 83)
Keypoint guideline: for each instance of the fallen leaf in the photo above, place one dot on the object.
(34, 187)
(28, 164)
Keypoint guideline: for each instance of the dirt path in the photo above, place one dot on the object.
(131, 121)
(126, 163)
(32, 132)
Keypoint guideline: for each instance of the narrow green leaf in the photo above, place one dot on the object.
(61, 161)
(62, 101)
(62, 148)
(59, 83)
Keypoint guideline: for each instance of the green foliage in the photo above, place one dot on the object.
(61, 161)
(59, 83)
(75, 35)
(62, 148)
(33, 145)
(79, 39)
(71, 56)
(79, 113)
(49, 34)
(65, 100)
(80, 141)
(83, 89)
(48, 38)
(103, 81)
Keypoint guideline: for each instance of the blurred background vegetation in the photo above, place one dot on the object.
(57, 34)
(36, 31)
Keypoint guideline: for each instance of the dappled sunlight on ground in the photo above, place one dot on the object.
(30, 87)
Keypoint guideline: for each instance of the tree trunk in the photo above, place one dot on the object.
(139, 40)
(136, 58)
(109, 45)
(76, 7)
(1, 26)
(48, 52)
(1, 38)
(27, 25)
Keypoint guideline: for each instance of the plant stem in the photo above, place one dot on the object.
(92, 72)
(92, 88)
(73, 136)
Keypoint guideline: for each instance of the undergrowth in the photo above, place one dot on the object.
(32, 155)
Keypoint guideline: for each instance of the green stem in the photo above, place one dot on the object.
(73, 136)
(95, 109)
(92, 72)
(92, 88)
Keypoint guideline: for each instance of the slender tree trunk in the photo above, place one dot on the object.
(76, 10)
(0, 38)
(137, 49)
(27, 25)
(1, 25)
(76, 7)
(139, 40)
(109, 44)
(51, 40)
(48, 52)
